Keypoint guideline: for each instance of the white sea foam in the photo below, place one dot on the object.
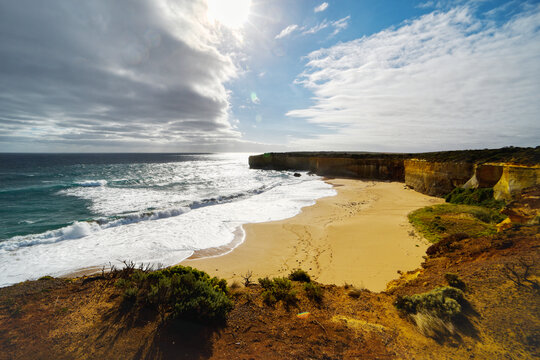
(168, 237)
(91, 183)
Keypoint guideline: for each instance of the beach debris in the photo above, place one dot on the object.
(303, 315)
(297, 174)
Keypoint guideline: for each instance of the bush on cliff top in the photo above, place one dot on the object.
(278, 289)
(433, 312)
(479, 197)
(299, 275)
(178, 292)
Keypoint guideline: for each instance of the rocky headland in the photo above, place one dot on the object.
(507, 170)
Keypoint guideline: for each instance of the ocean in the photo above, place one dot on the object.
(60, 213)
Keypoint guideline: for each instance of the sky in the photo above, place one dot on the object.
(268, 75)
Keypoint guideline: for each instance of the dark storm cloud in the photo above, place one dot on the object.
(128, 70)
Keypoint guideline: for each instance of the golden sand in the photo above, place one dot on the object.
(361, 237)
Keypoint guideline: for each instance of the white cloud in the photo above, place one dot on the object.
(321, 7)
(445, 80)
(427, 4)
(315, 29)
(287, 31)
(338, 25)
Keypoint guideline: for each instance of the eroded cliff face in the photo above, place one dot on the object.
(427, 177)
(514, 179)
(368, 169)
(485, 176)
(436, 178)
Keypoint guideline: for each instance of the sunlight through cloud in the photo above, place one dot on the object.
(231, 13)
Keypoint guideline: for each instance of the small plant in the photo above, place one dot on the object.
(454, 281)
(177, 292)
(313, 292)
(247, 278)
(235, 285)
(520, 274)
(299, 275)
(265, 282)
(278, 289)
(130, 294)
(121, 283)
(47, 277)
(433, 312)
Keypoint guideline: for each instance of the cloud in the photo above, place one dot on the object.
(445, 80)
(115, 74)
(321, 7)
(287, 31)
(338, 25)
(427, 4)
(315, 29)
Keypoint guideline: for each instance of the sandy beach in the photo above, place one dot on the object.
(361, 237)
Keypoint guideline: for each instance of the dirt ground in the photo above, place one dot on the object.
(83, 318)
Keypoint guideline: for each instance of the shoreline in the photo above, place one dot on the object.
(360, 236)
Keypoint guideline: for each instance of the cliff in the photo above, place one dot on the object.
(436, 178)
(514, 179)
(369, 168)
(507, 170)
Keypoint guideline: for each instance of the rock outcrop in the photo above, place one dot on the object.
(514, 179)
(525, 208)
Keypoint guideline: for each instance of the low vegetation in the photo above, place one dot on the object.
(479, 197)
(299, 275)
(177, 293)
(434, 311)
(278, 289)
(313, 292)
(444, 220)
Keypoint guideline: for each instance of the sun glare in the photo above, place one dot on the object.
(231, 13)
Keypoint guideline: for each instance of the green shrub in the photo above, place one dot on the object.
(313, 292)
(443, 302)
(265, 283)
(47, 277)
(433, 312)
(299, 275)
(278, 289)
(130, 294)
(121, 283)
(179, 292)
(480, 197)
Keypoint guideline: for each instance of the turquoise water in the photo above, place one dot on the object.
(63, 212)
(31, 186)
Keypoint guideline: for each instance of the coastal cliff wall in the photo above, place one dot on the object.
(514, 179)
(436, 178)
(368, 169)
(427, 175)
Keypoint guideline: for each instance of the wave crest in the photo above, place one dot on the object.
(91, 183)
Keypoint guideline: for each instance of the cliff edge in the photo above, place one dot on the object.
(508, 170)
